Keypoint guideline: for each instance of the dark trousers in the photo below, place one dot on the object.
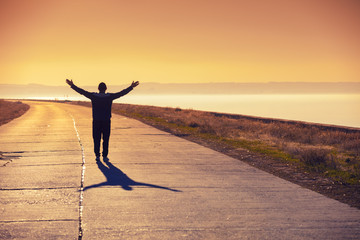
(101, 128)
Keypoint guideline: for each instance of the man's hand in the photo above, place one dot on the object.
(134, 84)
(70, 82)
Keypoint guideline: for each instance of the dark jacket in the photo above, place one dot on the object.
(101, 102)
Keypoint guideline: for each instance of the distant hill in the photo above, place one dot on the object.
(248, 88)
(43, 91)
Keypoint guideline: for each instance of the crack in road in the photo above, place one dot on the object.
(39, 220)
(33, 188)
(81, 197)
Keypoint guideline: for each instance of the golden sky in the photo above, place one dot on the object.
(174, 41)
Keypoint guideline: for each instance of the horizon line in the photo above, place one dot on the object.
(195, 83)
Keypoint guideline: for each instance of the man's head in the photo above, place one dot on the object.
(102, 87)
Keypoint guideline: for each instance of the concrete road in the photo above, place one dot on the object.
(156, 186)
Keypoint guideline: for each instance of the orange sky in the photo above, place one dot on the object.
(115, 41)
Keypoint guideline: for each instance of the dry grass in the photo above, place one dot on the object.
(10, 110)
(331, 151)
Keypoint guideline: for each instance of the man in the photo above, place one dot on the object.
(101, 112)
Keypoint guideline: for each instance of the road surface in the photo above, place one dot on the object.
(156, 186)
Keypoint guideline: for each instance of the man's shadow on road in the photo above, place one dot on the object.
(115, 177)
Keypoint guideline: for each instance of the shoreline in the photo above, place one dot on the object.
(323, 126)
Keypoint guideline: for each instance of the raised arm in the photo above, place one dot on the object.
(134, 84)
(79, 90)
(125, 91)
(70, 82)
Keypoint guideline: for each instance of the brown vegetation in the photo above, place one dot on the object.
(332, 151)
(10, 110)
(329, 155)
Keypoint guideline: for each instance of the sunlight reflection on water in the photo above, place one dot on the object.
(339, 109)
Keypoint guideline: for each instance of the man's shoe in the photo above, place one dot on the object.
(106, 159)
(97, 159)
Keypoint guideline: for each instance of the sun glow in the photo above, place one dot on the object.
(179, 41)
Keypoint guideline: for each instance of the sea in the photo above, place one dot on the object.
(334, 109)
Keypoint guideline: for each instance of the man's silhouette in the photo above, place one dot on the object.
(101, 112)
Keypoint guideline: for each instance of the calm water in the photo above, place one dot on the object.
(338, 109)
(330, 109)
